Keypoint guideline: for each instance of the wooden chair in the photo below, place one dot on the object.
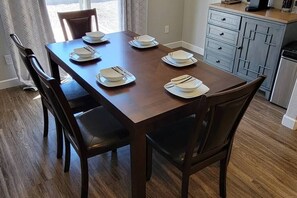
(205, 135)
(90, 133)
(77, 97)
(78, 22)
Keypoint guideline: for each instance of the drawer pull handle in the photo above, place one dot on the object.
(218, 61)
(222, 34)
(239, 48)
(223, 19)
(219, 48)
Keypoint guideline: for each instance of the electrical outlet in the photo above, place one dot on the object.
(166, 29)
(8, 59)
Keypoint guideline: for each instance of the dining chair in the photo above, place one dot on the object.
(77, 97)
(205, 135)
(90, 133)
(78, 22)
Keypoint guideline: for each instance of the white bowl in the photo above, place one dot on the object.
(112, 74)
(189, 86)
(144, 39)
(83, 52)
(95, 35)
(180, 56)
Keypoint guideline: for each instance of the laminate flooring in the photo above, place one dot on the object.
(263, 161)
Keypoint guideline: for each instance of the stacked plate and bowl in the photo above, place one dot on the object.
(94, 37)
(143, 41)
(179, 58)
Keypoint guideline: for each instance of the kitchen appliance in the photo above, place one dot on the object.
(230, 1)
(287, 4)
(256, 5)
(294, 7)
(270, 3)
(286, 76)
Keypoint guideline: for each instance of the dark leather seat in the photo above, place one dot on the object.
(78, 22)
(78, 98)
(205, 135)
(90, 133)
(98, 136)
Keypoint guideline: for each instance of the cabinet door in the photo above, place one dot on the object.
(259, 50)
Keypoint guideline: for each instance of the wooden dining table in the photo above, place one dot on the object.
(144, 104)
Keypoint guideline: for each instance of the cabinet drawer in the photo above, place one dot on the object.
(219, 61)
(222, 34)
(224, 20)
(220, 48)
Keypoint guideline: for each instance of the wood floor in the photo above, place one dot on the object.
(263, 161)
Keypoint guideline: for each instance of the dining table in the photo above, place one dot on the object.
(143, 104)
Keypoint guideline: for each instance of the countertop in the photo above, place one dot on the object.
(269, 14)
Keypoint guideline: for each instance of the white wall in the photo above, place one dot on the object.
(7, 72)
(165, 12)
(195, 20)
(290, 118)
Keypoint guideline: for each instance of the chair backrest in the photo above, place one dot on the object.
(78, 22)
(217, 119)
(59, 103)
(24, 53)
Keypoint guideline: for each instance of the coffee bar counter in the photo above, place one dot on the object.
(248, 44)
(269, 14)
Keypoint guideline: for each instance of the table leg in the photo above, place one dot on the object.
(138, 164)
(54, 67)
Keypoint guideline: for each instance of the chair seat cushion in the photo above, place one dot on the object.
(100, 130)
(78, 98)
(171, 140)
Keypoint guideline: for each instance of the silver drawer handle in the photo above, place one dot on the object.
(222, 34)
(219, 48)
(218, 61)
(223, 19)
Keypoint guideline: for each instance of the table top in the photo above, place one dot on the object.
(145, 99)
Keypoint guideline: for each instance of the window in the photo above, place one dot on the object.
(108, 13)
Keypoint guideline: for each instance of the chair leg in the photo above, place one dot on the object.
(223, 177)
(149, 152)
(84, 177)
(67, 155)
(59, 139)
(185, 185)
(45, 120)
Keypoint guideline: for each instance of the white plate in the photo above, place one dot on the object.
(136, 44)
(167, 59)
(202, 89)
(76, 58)
(112, 74)
(89, 40)
(126, 80)
(180, 56)
(83, 52)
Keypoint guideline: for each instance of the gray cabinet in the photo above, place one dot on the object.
(259, 51)
(246, 45)
(221, 39)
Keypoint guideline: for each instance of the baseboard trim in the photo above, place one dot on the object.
(174, 44)
(193, 48)
(4, 84)
(289, 122)
(185, 45)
